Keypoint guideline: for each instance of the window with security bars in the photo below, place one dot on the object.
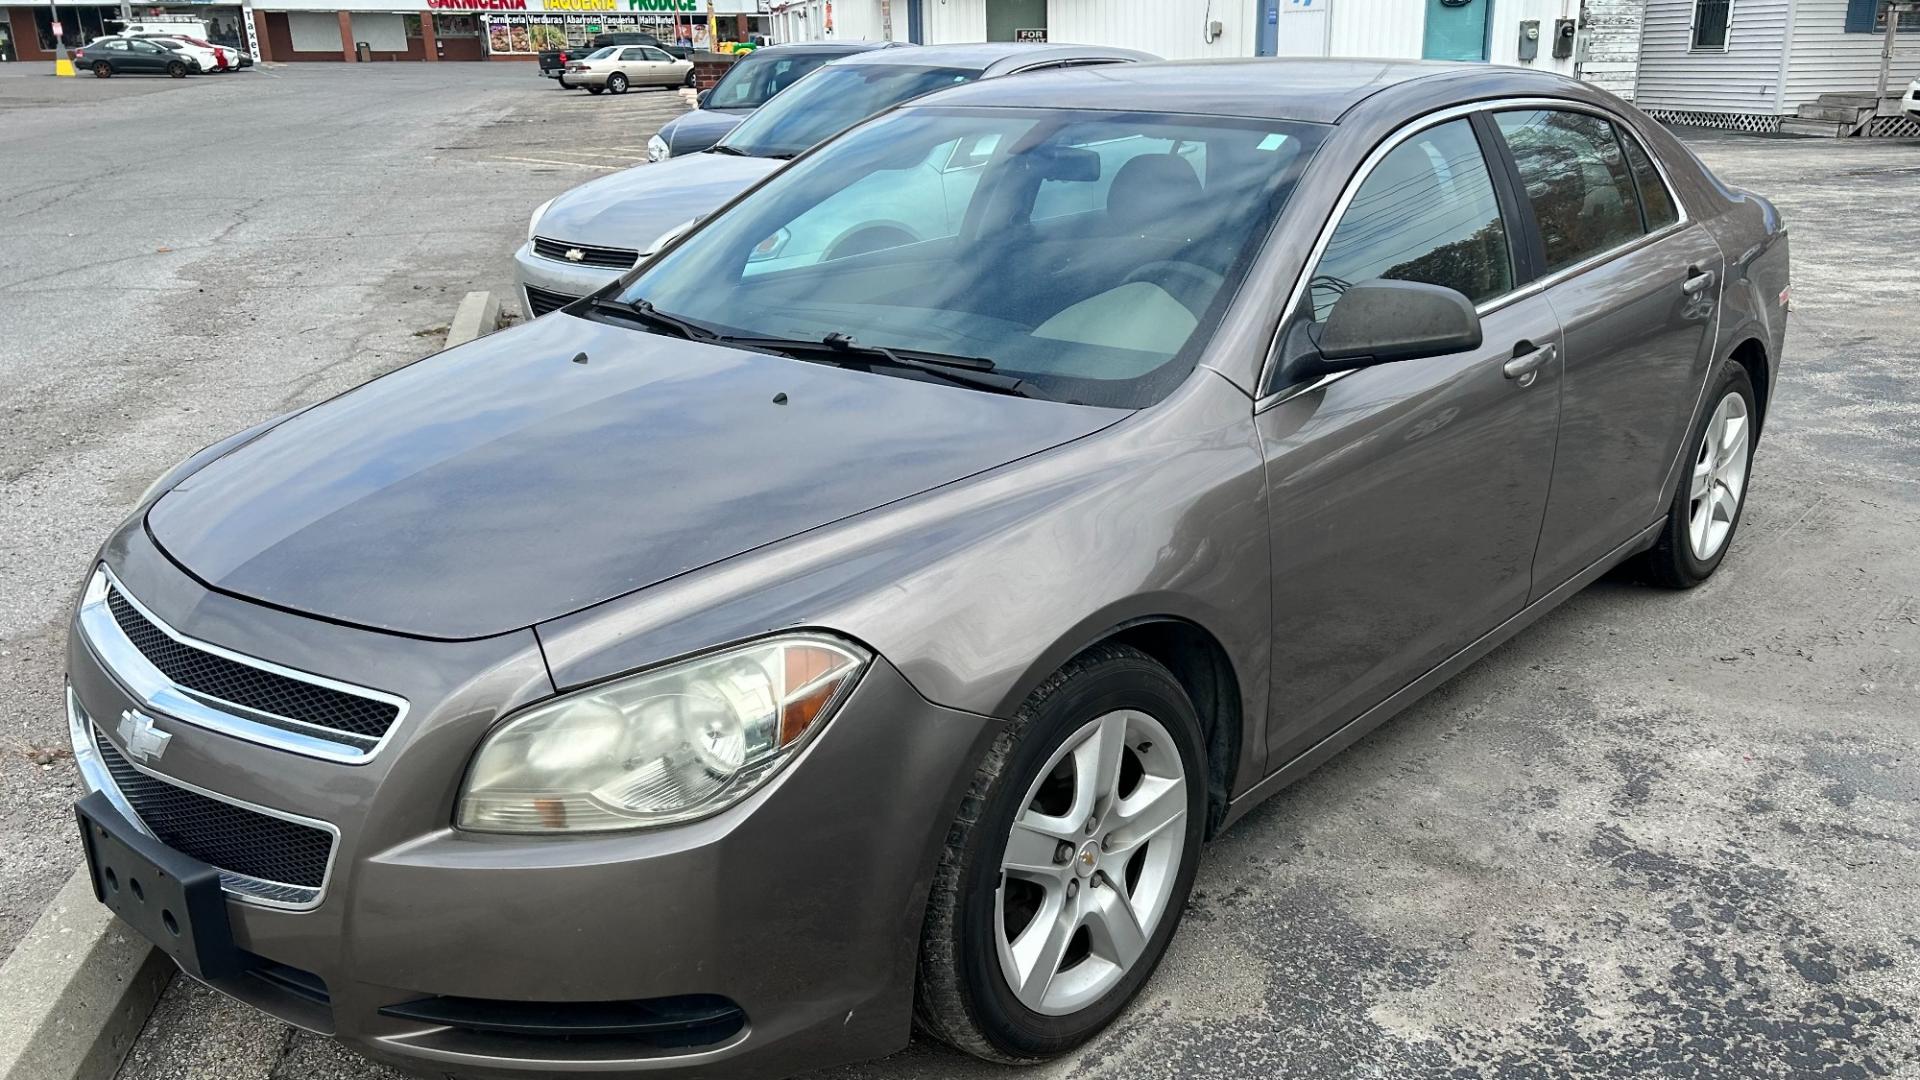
(1710, 19)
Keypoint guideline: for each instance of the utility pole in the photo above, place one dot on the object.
(61, 64)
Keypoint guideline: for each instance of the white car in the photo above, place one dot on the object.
(617, 67)
(210, 58)
(1911, 103)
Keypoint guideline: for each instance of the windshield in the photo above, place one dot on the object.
(1087, 254)
(750, 82)
(836, 98)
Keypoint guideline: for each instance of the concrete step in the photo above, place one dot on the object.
(1840, 114)
(1826, 129)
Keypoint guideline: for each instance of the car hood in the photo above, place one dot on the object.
(635, 207)
(692, 132)
(507, 482)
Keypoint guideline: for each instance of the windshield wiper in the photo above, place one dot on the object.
(974, 371)
(723, 148)
(653, 317)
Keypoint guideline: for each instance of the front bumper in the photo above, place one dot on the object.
(556, 277)
(801, 906)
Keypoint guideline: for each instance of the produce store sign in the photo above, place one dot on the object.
(664, 6)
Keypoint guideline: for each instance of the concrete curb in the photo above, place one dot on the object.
(477, 315)
(76, 991)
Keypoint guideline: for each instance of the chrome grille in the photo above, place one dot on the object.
(611, 258)
(208, 686)
(231, 681)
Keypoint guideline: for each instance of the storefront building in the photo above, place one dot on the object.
(299, 30)
(26, 32)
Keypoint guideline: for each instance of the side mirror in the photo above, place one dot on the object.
(701, 101)
(1381, 322)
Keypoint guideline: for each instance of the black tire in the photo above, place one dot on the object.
(962, 996)
(596, 90)
(561, 82)
(617, 83)
(176, 69)
(1671, 562)
(688, 81)
(102, 70)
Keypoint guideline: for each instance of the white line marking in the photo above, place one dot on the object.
(550, 161)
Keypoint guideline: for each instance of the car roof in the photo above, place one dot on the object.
(1312, 90)
(992, 56)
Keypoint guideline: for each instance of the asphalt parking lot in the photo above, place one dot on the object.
(1656, 834)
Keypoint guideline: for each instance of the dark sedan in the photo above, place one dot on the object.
(722, 674)
(747, 85)
(112, 56)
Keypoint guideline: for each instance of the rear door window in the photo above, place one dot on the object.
(1576, 176)
(1656, 202)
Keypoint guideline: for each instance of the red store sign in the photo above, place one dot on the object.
(479, 5)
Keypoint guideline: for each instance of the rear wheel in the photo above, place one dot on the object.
(1066, 872)
(1706, 509)
(617, 83)
(176, 69)
(103, 70)
(561, 81)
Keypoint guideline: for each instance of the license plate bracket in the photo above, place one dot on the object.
(172, 899)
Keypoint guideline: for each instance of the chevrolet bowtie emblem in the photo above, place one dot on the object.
(575, 255)
(141, 738)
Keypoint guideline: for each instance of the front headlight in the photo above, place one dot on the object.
(657, 149)
(534, 221)
(667, 746)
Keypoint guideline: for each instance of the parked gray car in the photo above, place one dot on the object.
(719, 676)
(583, 240)
(751, 82)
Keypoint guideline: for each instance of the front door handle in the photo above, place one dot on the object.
(1697, 282)
(1524, 366)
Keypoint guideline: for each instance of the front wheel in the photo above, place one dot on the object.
(177, 70)
(688, 81)
(1065, 875)
(617, 83)
(1706, 510)
(103, 70)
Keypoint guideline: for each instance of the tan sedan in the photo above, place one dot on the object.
(618, 67)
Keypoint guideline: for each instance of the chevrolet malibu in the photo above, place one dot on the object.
(731, 671)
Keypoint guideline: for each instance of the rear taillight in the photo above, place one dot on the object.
(563, 57)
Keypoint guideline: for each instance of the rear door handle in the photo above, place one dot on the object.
(1697, 281)
(1524, 366)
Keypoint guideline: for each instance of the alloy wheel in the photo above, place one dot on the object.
(1719, 478)
(1090, 862)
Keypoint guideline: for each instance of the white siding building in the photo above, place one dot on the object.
(1750, 64)
(1486, 30)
